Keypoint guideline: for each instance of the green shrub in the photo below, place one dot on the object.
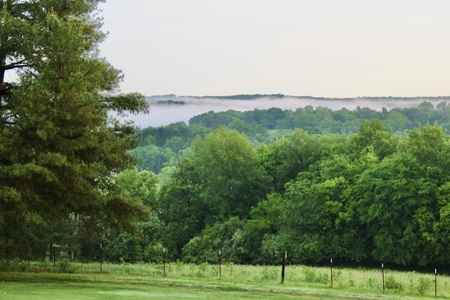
(10, 266)
(311, 276)
(423, 285)
(373, 283)
(65, 267)
(392, 284)
(269, 274)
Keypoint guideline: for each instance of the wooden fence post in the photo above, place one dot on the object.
(435, 282)
(220, 264)
(101, 257)
(283, 265)
(164, 261)
(331, 273)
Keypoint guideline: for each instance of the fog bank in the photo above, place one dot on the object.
(165, 110)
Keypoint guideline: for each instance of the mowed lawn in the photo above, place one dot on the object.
(152, 290)
(102, 291)
(137, 287)
(19, 285)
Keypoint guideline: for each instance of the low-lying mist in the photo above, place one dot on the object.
(165, 110)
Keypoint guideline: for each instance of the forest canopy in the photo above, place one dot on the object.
(372, 195)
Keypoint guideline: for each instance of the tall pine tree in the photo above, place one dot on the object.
(59, 149)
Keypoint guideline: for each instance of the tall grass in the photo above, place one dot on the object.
(356, 279)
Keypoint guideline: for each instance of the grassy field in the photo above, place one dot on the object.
(185, 281)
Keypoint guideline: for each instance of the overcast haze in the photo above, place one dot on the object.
(323, 48)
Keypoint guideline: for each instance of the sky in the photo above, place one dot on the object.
(321, 48)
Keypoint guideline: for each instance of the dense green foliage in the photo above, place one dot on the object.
(59, 149)
(373, 195)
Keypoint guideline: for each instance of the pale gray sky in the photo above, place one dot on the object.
(329, 48)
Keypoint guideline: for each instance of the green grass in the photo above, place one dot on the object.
(187, 281)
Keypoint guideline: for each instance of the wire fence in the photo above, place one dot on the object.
(382, 279)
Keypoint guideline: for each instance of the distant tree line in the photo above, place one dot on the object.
(325, 120)
(163, 146)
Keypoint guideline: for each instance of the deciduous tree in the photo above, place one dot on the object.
(231, 181)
